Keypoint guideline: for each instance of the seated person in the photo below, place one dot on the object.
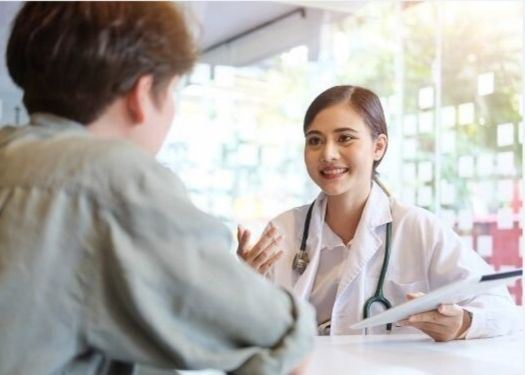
(349, 228)
(104, 261)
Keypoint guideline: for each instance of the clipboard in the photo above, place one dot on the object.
(448, 294)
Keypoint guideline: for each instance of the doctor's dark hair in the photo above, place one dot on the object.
(73, 59)
(362, 100)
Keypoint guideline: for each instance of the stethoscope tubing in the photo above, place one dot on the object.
(301, 261)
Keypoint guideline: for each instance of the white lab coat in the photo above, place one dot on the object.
(425, 254)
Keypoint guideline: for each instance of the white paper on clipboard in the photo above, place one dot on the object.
(451, 293)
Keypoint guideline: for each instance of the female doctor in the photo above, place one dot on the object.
(357, 250)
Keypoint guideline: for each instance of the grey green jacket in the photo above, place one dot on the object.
(105, 263)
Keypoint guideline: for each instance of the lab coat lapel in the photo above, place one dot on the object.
(303, 286)
(367, 239)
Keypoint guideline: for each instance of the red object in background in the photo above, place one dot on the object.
(505, 242)
(505, 248)
(506, 252)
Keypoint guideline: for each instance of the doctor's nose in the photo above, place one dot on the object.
(329, 152)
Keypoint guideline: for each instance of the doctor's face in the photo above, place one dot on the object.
(340, 151)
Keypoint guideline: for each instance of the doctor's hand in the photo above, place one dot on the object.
(264, 253)
(447, 322)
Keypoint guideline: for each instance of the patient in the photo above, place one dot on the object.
(104, 262)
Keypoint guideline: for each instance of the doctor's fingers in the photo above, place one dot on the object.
(266, 256)
(414, 295)
(268, 240)
(432, 316)
(437, 325)
(242, 233)
(270, 262)
(450, 310)
(243, 239)
(443, 314)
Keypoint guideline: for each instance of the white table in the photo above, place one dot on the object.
(410, 354)
(416, 354)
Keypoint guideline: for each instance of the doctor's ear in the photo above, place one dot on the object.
(381, 142)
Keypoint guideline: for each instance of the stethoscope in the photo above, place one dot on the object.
(301, 261)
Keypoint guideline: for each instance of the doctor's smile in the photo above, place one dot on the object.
(332, 173)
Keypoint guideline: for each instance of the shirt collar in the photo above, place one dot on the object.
(377, 212)
(50, 120)
(332, 240)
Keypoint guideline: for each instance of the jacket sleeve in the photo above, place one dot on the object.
(166, 292)
(493, 312)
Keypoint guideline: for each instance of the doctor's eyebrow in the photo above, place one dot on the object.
(338, 130)
(313, 132)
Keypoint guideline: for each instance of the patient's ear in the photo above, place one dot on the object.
(139, 99)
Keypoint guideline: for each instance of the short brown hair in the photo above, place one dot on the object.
(362, 100)
(73, 59)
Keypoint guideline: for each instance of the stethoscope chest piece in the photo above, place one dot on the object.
(300, 261)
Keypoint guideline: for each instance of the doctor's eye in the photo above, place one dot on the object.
(313, 141)
(345, 138)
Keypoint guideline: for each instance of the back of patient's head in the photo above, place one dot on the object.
(73, 59)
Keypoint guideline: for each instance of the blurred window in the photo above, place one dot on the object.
(449, 75)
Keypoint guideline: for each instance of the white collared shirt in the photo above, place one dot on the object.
(331, 263)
